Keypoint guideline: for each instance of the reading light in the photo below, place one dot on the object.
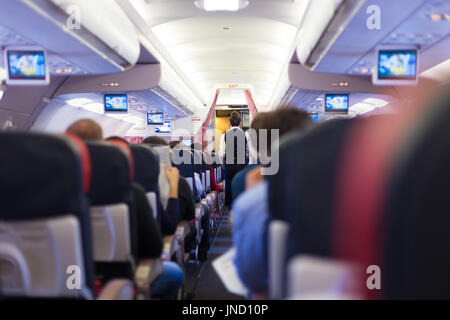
(221, 5)
(435, 17)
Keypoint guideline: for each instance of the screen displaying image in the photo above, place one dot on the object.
(336, 102)
(186, 143)
(165, 128)
(314, 117)
(155, 118)
(397, 64)
(29, 65)
(116, 102)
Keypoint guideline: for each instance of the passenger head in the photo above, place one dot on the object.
(117, 138)
(86, 129)
(235, 119)
(174, 143)
(156, 141)
(285, 120)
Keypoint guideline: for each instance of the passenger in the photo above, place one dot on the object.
(251, 208)
(86, 129)
(150, 242)
(117, 138)
(233, 152)
(174, 144)
(185, 198)
(171, 213)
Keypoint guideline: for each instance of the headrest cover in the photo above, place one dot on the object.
(127, 150)
(111, 181)
(41, 176)
(146, 166)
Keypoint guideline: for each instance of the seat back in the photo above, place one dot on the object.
(146, 172)
(183, 160)
(112, 211)
(416, 260)
(45, 236)
(301, 193)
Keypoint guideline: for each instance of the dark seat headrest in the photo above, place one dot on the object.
(111, 181)
(183, 159)
(146, 164)
(302, 192)
(42, 175)
(198, 161)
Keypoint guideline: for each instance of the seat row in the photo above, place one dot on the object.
(68, 224)
(368, 217)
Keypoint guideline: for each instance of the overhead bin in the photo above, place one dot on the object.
(78, 39)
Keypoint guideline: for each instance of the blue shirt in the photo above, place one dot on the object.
(238, 183)
(251, 213)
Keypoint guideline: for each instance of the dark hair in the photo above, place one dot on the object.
(155, 140)
(117, 138)
(174, 143)
(285, 120)
(86, 129)
(235, 119)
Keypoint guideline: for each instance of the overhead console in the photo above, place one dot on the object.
(328, 95)
(75, 39)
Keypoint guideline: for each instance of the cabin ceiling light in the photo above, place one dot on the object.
(221, 5)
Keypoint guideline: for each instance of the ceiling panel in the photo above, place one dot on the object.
(250, 46)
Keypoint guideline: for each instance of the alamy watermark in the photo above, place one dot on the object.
(373, 22)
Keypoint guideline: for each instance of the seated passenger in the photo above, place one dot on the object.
(149, 236)
(251, 208)
(185, 198)
(171, 209)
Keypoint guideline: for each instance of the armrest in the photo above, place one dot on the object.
(120, 289)
(147, 271)
(183, 229)
(170, 245)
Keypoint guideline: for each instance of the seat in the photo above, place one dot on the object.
(45, 229)
(112, 212)
(184, 160)
(301, 194)
(114, 217)
(147, 169)
(146, 172)
(415, 251)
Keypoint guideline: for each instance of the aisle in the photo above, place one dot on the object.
(209, 285)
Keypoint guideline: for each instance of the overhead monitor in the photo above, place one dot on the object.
(116, 103)
(26, 66)
(165, 128)
(336, 102)
(396, 66)
(155, 118)
(186, 143)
